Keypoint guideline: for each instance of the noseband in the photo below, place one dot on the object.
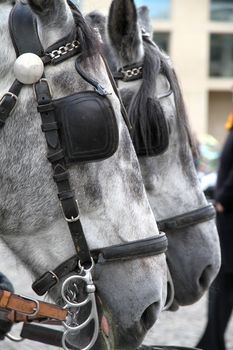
(57, 125)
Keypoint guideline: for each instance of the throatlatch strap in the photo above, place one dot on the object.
(61, 176)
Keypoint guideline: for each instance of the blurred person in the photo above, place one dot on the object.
(220, 302)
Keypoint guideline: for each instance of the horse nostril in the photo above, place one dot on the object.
(205, 278)
(150, 315)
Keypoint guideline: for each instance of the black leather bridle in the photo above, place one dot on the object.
(134, 72)
(22, 23)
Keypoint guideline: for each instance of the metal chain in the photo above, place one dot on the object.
(134, 72)
(63, 50)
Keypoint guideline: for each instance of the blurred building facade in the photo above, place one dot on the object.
(198, 35)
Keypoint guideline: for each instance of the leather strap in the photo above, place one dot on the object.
(191, 218)
(61, 176)
(115, 89)
(8, 101)
(42, 335)
(43, 284)
(141, 248)
(135, 249)
(33, 309)
(21, 23)
(164, 347)
(53, 337)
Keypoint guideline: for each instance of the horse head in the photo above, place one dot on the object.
(114, 209)
(150, 91)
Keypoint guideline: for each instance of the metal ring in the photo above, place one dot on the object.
(13, 338)
(82, 268)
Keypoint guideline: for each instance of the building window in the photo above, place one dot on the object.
(222, 10)
(162, 39)
(221, 55)
(160, 9)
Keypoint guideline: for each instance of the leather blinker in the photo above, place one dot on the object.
(87, 126)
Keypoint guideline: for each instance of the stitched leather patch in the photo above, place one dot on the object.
(87, 126)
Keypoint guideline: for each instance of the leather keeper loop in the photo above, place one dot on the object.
(49, 127)
(45, 283)
(48, 107)
(54, 157)
(66, 195)
(5, 297)
(61, 177)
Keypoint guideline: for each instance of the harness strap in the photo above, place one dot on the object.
(191, 218)
(50, 278)
(31, 309)
(41, 334)
(54, 337)
(115, 89)
(134, 249)
(22, 22)
(56, 156)
(8, 101)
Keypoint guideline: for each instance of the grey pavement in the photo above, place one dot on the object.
(181, 328)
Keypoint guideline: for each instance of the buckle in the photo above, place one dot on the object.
(35, 309)
(40, 81)
(9, 94)
(72, 219)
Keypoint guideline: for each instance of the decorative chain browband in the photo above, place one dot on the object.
(63, 50)
(132, 73)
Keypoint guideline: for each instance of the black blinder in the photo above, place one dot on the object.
(87, 126)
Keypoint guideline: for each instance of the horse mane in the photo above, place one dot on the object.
(184, 128)
(156, 62)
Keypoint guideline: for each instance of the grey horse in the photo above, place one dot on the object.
(170, 178)
(112, 199)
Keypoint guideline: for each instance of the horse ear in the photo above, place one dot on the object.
(97, 20)
(123, 28)
(144, 20)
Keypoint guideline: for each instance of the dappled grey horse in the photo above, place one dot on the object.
(113, 205)
(152, 97)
